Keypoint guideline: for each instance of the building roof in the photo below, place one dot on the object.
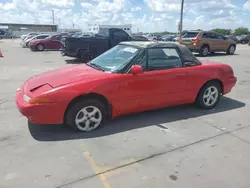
(150, 44)
(20, 24)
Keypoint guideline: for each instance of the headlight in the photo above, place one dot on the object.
(26, 98)
(36, 100)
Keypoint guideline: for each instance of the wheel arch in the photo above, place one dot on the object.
(40, 44)
(212, 80)
(101, 98)
(205, 44)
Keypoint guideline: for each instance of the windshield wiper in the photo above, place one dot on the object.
(93, 65)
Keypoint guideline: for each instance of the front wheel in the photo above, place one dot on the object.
(40, 47)
(209, 95)
(86, 115)
(231, 50)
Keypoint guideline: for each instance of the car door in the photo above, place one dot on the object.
(56, 43)
(217, 42)
(162, 84)
(222, 42)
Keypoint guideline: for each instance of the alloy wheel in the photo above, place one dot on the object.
(210, 96)
(232, 50)
(88, 118)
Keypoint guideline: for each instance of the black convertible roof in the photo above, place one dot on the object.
(185, 53)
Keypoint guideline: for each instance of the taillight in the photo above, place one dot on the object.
(195, 39)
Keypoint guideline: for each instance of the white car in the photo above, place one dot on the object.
(25, 43)
(23, 37)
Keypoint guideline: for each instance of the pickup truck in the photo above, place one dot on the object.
(87, 48)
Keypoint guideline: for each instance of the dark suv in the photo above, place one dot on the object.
(205, 42)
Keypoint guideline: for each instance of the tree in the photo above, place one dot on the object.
(222, 31)
(241, 31)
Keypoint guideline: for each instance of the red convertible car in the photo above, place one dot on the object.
(131, 77)
(52, 42)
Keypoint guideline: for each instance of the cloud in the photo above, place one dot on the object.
(135, 9)
(246, 6)
(147, 15)
(86, 5)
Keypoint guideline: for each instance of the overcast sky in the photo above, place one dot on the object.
(147, 15)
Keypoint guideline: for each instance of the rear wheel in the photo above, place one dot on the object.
(204, 51)
(40, 47)
(231, 50)
(209, 95)
(86, 115)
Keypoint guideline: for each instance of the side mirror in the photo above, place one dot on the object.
(136, 69)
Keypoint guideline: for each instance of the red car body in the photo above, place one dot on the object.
(51, 43)
(44, 98)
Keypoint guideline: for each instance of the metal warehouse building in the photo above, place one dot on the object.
(17, 29)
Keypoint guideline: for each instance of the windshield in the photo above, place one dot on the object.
(190, 35)
(115, 59)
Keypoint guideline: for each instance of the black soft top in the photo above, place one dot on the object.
(185, 53)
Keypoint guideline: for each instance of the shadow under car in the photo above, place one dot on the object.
(130, 122)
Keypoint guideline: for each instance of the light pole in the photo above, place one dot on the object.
(181, 20)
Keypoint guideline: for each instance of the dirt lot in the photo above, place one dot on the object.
(174, 147)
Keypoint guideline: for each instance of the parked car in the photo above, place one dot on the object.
(87, 48)
(150, 36)
(139, 38)
(131, 77)
(232, 37)
(25, 43)
(168, 38)
(52, 42)
(205, 42)
(244, 39)
(2, 33)
(23, 37)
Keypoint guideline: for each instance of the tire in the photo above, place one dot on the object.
(85, 56)
(231, 50)
(40, 47)
(81, 116)
(210, 89)
(204, 51)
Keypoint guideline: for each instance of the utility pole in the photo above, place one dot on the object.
(181, 20)
(53, 17)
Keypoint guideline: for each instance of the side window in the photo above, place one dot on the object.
(120, 35)
(40, 37)
(205, 35)
(163, 58)
(57, 37)
(216, 36)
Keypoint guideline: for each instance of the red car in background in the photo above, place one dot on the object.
(130, 77)
(52, 42)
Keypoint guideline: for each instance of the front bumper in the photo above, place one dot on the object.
(49, 113)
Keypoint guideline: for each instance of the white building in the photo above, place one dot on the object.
(95, 28)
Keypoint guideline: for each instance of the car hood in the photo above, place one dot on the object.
(65, 75)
